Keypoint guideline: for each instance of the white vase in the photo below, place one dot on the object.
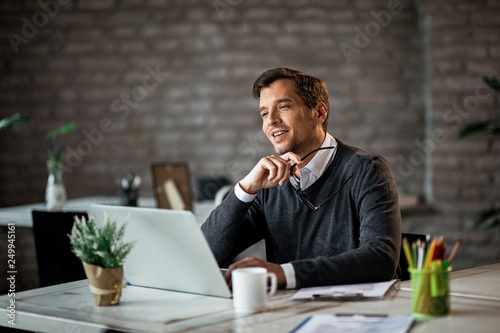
(55, 194)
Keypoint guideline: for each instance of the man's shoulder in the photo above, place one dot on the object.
(352, 160)
(355, 154)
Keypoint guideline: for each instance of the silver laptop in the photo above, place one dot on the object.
(170, 253)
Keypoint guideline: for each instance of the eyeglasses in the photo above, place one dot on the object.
(309, 153)
(301, 194)
(308, 203)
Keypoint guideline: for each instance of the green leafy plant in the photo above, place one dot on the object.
(53, 151)
(490, 128)
(99, 246)
(492, 216)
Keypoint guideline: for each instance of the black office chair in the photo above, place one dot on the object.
(56, 263)
(402, 271)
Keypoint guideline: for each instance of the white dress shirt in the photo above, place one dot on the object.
(308, 175)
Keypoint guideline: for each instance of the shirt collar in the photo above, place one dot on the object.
(322, 159)
(318, 164)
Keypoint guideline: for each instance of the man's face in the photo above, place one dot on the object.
(287, 122)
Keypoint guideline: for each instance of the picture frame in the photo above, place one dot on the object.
(171, 185)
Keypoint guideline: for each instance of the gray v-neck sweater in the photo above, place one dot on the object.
(354, 237)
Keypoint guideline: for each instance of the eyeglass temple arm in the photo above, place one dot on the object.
(311, 152)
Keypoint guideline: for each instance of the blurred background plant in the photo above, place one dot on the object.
(490, 128)
(54, 153)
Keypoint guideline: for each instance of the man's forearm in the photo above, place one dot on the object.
(224, 227)
(356, 266)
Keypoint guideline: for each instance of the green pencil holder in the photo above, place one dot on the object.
(430, 292)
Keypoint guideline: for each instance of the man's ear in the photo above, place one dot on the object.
(321, 112)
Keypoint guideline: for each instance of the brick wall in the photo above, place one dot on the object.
(465, 172)
(170, 80)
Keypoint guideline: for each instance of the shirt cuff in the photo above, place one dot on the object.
(242, 195)
(291, 282)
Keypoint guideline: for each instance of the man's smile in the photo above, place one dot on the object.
(277, 135)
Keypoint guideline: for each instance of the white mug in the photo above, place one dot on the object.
(250, 288)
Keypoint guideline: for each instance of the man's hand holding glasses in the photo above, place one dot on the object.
(271, 171)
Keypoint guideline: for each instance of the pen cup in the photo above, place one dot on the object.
(430, 296)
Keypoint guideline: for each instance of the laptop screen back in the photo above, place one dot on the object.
(170, 251)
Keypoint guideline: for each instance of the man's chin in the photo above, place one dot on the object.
(285, 147)
(282, 150)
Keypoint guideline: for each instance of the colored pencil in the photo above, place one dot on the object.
(421, 255)
(454, 251)
(430, 255)
(406, 250)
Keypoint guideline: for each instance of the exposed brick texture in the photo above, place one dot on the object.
(171, 80)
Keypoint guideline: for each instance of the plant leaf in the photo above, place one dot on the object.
(65, 129)
(482, 127)
(486, 215)
(13, 120)
(99, 246)
(492, 82)
(495, 130)
(492, 216)
(495, 223)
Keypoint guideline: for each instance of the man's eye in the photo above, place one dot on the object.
(285, 106)
(263, 114)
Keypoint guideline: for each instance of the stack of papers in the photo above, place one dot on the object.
(355, 324)
(362, 291)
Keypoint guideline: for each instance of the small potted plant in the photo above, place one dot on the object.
(102, 252)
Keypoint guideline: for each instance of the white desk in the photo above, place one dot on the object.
(70, 308)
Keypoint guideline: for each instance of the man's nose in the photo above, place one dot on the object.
(273, 117)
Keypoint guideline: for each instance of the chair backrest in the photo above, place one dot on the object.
(402, 272)
(56, 262)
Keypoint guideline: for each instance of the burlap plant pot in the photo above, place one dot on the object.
(105, 284)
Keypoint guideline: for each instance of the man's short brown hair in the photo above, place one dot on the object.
(310, 89)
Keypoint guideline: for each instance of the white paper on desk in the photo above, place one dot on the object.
(375, 290)
(355, 324)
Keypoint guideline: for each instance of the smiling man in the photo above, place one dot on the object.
(328, 212)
